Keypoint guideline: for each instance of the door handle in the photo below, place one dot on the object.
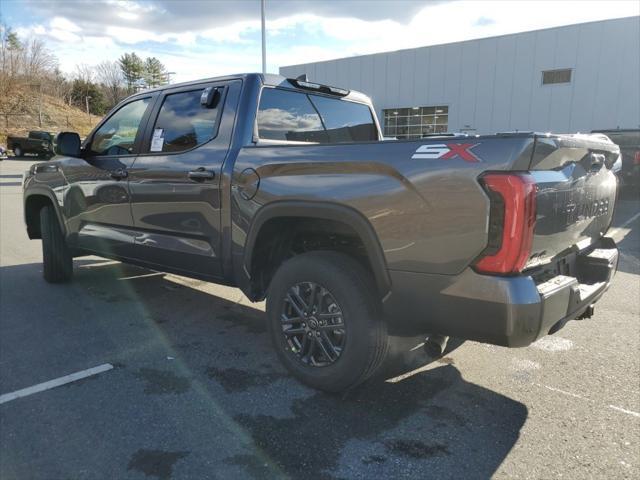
(119, 174)
(201, 174)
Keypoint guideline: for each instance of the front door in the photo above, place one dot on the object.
(97, 202)
(175, 182)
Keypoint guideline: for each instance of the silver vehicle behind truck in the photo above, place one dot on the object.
(285, 189)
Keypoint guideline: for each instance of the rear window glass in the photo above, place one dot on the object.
(40, 135)
(294, 116)
(289, 116)
(183, 123)
(345, 121)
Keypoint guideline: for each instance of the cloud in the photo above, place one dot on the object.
(199, 39)
(61, 23)
(177, 16)
(482, 21)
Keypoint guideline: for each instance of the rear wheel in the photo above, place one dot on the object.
(324, 320)
(56, 257)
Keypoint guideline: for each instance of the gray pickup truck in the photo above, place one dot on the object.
(284, 188)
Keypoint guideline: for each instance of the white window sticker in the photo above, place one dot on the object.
(156, 144)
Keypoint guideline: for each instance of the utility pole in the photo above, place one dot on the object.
(264, 40)
(86, 101)
(169, 77)
(40, 105)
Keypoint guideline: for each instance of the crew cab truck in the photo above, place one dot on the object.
(37, 142)
(284, 188)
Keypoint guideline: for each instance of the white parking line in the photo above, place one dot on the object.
(56, 382)
(575, 395)
(615, 231)
(630, 412)
(146, 275)
(564, 392)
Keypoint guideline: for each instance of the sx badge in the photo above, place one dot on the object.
(447, 151)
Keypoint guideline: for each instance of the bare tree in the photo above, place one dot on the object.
(84, 72)
(37, 59)
(109, 75)
(58, 85)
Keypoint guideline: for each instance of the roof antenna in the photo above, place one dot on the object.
(302, 78)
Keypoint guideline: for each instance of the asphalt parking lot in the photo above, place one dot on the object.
(197, 392)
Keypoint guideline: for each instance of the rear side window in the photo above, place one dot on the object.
(295, 116)
(345, 121)
(183, 123)
(289, 116)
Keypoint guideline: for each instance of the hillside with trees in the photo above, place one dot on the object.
(36, 95)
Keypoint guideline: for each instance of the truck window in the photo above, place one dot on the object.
(37, 135)
(118, 134)
(183, 123)
(345, 121)
(289, 116)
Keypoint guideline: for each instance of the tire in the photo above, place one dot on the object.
(17, 151)
(56, 257)
(342, 285)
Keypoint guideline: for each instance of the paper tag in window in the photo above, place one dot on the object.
(157, 144)
(158, 132)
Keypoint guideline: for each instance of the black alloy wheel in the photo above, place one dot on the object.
(325, 322)
(313, 324)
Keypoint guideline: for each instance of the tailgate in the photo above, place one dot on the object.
(576, 193)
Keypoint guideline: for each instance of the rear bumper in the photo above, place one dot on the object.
(507, 311)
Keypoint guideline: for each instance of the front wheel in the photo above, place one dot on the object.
(324, 320)
(17, 151)
(56, 257)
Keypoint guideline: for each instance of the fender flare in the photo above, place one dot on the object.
(325, 211)
(44, 192)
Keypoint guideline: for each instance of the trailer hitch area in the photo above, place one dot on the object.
(588, 313)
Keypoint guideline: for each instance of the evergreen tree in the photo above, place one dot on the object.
(82, 89)
(155, 73)
(132, 68)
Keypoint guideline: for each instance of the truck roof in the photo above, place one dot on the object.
(270, 79)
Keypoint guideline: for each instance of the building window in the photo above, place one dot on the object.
(550, 77)
(415, 122)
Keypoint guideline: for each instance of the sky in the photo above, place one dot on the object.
(205, 38)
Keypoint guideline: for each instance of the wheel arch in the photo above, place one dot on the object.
(34, 202)
(323, 211)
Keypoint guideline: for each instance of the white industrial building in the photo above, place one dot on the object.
(574, 78)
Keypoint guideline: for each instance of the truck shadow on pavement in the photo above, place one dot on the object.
(432, 423)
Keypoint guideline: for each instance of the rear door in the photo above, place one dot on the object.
(175, 181)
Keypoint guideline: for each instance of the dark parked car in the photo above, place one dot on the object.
(283, 188)
(37, 142)
(629, 143)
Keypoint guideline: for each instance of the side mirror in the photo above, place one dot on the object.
(68, 144)
(210, 97)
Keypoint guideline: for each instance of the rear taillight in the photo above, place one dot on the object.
(636, 158)
(512, 220)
